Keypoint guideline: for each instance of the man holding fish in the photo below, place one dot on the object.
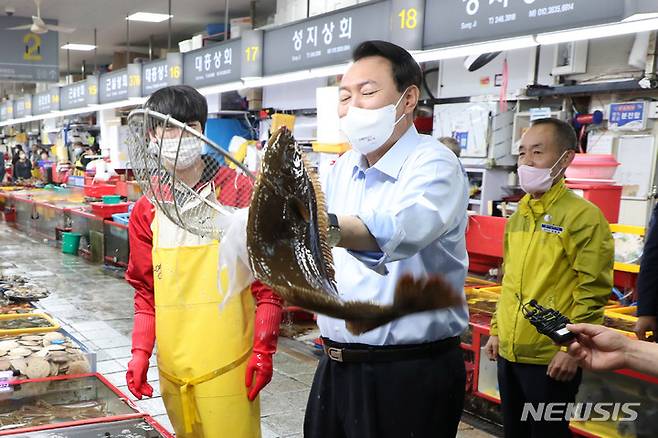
(397, 204)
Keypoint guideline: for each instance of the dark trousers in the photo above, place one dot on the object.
(521, 383)
(418, 398)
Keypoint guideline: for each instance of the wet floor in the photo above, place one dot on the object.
(95, 305)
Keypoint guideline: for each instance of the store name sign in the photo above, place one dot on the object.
(330, 39)
(23, 106)
(457, 22)
(45, 102)
(121, 84)
(212, 65)
(325, 40)
(162, 73)
(73, 96)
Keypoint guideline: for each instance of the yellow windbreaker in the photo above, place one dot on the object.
(560, 252)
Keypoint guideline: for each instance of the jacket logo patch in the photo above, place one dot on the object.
(553, 229)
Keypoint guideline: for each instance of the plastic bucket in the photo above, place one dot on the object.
(70, 243)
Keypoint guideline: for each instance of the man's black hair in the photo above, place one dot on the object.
(181, 102)
(564, 134)
(406, 71)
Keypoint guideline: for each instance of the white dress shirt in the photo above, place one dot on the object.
(413, 201)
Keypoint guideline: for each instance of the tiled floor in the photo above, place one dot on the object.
(96, 306)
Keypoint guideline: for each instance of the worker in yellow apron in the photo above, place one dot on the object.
(214, 355)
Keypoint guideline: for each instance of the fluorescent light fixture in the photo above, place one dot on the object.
(642, 16)
(278, 79)
(301, 75)
(222, 88)
(149, 17)
(590, 33)
(333, 70)
(475, 49)
(80, 47)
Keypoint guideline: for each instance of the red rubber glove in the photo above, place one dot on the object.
(143, 340)
(266, 333)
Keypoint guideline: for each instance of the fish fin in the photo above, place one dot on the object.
(418, 295)
(300, 208)
(323, 220)
(411, 296)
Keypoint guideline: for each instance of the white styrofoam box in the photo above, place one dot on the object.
(305, 128)
(290, 10)
(327, 99)
(197, 42)
(240, 24)
(292, 96)
(185, 46)
(456, 81)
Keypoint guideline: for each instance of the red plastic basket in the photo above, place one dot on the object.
(99, 190)
(122, 188)
(107, 210)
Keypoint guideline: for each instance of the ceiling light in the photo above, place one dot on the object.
(641, 16)
(149, 17)
(475, 49)
(81, 47)
(590, 33)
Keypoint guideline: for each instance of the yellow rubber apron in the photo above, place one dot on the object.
(202, 350)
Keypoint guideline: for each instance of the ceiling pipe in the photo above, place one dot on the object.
(95, 51)
(225, 20)
(169, 33)
(128, 40)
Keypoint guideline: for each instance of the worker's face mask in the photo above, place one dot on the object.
(536, 180)
(368, 129)
(189, 152)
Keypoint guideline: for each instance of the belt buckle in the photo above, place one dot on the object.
(335, 354)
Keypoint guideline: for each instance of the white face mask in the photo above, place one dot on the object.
(368, 129)
(535, 180)
(189, 154)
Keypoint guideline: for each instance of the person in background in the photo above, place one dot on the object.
(647, 284)
(212, 362)
(452, 144)
(558, 251)
(16, 153)
(33, 152)
(78, 149)
(44, 157)
(3, 171)
(599, 348)
(398, 206)
(22, 167)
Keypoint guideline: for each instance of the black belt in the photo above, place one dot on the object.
(386, 353)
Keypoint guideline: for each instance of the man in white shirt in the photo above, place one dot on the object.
(398, 201)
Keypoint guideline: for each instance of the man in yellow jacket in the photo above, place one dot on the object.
(558, 251)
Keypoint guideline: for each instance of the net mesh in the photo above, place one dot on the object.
(197, 184)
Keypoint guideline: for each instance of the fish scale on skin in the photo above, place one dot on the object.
(288, 249)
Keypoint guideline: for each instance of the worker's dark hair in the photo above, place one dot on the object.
(406, 71)
(565, 135)
(181, 102)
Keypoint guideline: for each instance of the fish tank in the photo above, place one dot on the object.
(136, 428)
(32, 405)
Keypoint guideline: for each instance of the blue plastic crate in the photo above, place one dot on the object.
(76, 181)
(121, 218)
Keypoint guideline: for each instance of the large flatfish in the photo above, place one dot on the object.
(288, 249)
